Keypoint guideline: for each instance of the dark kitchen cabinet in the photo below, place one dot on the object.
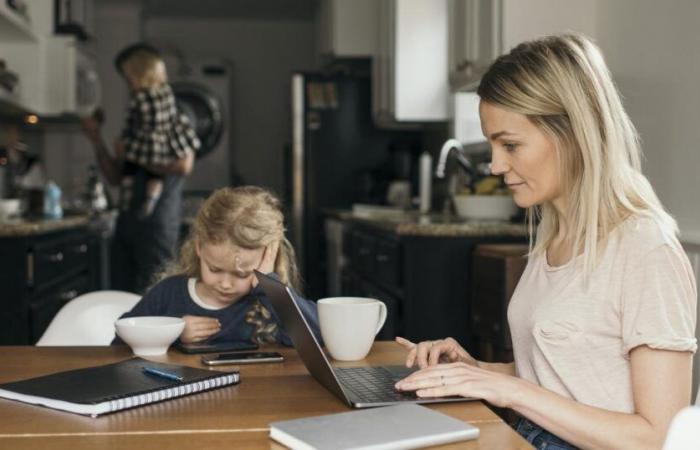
(497, 270)
(425, 281)
(40, 273)
(373, 270)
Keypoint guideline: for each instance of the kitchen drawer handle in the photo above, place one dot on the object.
(82, 248)
(364, 251)
(68, 295)
(382, 258)
(55, 257)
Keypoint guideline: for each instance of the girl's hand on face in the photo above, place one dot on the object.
(430, 353)
(199, 328)
(465, 380)
(267, 263)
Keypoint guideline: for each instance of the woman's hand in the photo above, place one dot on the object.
(267, 263)
(465, 380)
(430, 353)
(199, 328)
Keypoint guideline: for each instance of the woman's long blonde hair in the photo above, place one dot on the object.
(562, 84)
(247, 216)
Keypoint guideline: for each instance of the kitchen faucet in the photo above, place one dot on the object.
(447, 147)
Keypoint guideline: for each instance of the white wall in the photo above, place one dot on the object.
(264, 54)
(529, 19)
(653, 49)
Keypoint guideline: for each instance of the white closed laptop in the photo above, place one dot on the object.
(403, 426)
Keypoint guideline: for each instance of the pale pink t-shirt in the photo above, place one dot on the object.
(577, 342)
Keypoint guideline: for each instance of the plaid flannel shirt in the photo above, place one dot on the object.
(155, 132)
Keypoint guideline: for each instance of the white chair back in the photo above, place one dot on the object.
(88, 319)
(684, 432)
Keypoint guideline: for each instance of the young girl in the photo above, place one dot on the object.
(155, 133)
(213, 286)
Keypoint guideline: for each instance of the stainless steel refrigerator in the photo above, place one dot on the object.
(335, 159)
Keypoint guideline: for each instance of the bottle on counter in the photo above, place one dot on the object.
(52, 201)
(96, 197)
(425, 181)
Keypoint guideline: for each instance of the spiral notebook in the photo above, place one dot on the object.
(113, 387)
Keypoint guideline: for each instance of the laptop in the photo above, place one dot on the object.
(359, 387)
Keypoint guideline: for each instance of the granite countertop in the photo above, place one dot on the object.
(27, 227)
(411, 223)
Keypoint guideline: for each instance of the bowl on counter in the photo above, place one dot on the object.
(10, 208)
(485, 207)
(149, 335)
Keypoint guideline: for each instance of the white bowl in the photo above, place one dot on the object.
(485, 207)
(10, 208)
(149, 335)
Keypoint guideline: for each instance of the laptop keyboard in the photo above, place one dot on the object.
(374, 384)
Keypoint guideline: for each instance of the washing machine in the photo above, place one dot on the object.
(203, 93)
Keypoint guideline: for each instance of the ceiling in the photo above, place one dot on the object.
(232, 9)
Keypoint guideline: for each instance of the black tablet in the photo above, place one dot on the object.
(215, 347)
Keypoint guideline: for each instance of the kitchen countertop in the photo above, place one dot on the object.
(411, 223)
(28, 227)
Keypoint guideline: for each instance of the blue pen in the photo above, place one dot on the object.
(162, 373)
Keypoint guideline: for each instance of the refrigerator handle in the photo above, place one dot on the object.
(298, 145)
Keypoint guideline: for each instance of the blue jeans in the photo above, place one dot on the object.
(540, 438)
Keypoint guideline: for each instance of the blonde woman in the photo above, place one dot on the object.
(603, 318)
(213, 286)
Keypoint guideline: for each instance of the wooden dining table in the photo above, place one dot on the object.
(231, 417)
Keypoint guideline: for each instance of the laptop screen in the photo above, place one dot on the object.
(305, 343)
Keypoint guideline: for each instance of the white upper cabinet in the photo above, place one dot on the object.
(410, 77)
(475, 40)
(347, 28)
(481, 30)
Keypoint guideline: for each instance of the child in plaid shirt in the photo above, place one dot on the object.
(155, 133)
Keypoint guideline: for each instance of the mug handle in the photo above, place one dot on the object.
(382, 316)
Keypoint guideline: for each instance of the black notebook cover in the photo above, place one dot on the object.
(112, 387)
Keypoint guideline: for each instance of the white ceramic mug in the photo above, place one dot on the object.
(349, 325)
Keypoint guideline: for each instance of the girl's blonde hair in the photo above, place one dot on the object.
(247, 216)
(562, 84)
(146, 68)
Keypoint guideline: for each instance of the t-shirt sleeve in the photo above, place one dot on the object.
(659, 302)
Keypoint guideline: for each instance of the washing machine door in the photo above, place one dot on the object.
(204, 110)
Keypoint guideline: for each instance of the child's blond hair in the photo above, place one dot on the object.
(145, 68)
(247, 216)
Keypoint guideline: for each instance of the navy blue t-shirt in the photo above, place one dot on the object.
(251, 319)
